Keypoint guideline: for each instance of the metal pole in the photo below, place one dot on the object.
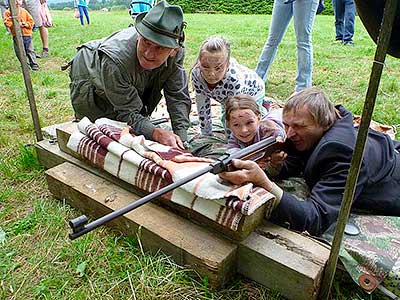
(25, 70)
(380, 54)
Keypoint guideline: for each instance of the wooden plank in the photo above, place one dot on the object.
(63, 133)
(284, 261)
(209, 254)
(49, 132)
(245, 227)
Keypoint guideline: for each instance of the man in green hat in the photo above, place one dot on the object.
(121, 77)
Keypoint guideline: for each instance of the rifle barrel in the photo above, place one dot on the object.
(81, 230)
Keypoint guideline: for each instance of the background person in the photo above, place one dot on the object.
(303, 13)
(3, 8)
(32, 6)
(216, 75)
(82, 6)
(345, 14)
(121, 77)
(323, 139)
(44, 14)
(25, 21)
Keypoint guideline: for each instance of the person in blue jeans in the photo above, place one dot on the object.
(83, 10)
(345, 13)
(303, 13)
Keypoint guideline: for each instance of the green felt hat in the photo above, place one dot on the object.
(163, 25)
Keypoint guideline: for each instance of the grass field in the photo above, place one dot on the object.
(37, 261)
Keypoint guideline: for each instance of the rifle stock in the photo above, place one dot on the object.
(80, 225)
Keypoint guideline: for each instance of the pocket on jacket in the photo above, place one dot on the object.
(82, 98)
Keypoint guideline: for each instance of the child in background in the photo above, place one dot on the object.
(25, 21)
(243, 118)
(3, 8)
(83, 10)
(217, 75)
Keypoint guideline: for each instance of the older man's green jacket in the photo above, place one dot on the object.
(107, 81)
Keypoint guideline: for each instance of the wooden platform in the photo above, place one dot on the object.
(273, 256)
(245, 227)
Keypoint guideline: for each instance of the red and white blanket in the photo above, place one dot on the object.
(150, 166)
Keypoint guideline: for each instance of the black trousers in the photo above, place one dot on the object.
(28, 46)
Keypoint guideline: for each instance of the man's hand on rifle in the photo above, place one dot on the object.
(247, 171)
(168, 138)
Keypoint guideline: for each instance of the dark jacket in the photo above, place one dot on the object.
(325, 169)
(107, 81)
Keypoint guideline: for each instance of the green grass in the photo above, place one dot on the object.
(37, 261)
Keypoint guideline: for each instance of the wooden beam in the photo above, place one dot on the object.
(209, 254)
(284, 261)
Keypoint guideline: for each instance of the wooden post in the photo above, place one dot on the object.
(376, 72)
(25, 70)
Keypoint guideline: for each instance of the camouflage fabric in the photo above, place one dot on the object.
(208, 146)
(372, 257)
(392, 280)
(295, 186)
(202, 145)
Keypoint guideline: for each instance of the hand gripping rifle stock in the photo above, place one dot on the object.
(80, 225)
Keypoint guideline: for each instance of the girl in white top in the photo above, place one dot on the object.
(218, 76)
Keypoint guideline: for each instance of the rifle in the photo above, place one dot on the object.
(267, 146)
